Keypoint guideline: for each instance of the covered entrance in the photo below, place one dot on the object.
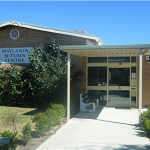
(108, 57)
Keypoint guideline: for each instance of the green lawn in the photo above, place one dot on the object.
(25, 115)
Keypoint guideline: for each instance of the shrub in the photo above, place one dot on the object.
(44, 121)
(145, 116)
(147, 126)
(11, 146)
(52, 117)
(26, 133)
(10, 85)
(145, 119)
(40, 119)
(60, 109)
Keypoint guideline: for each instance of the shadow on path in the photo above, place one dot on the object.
(89, 115)
(111, 147)
(94, 116)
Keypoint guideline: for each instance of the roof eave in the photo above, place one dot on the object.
(47, 29)
(5, 24)
(130, 46)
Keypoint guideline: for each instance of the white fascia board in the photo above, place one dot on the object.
(89, 47)
(47, 29)
(59, 32)
(4, 24)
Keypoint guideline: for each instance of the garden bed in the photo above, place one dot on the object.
(34, 143)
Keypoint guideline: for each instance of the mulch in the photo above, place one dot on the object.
(34, 143)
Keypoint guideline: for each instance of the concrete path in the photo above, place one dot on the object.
(107, 128)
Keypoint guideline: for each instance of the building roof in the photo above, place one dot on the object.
(113, 50)
(47, 29)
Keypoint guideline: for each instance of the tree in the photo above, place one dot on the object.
(47, 66)
(46, 74)
(11, 117)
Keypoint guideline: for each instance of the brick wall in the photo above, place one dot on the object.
(32, 38)
(145, 82)
(79, 87)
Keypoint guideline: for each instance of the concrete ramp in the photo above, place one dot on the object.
(107, 128)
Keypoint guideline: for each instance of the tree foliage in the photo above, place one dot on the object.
(28, 85)
(47, 65)
(46, 73)
(10, 85)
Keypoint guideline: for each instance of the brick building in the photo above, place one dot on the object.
(109, 70)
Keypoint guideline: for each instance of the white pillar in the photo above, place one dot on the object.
(140, 84)
(68, 87)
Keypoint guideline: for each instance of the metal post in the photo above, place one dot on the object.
(68, 87)
(130, 85)
(13, 127)
(107, 83)
(140, 84)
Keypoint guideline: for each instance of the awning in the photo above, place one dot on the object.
(98, 50)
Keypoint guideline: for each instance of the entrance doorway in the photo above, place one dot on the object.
(113, 80)
(119, 87)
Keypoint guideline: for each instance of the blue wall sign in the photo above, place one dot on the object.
(15, 55)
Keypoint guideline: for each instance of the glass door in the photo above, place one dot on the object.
(119, 87)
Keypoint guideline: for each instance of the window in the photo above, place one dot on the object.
(97, 76)
(133, 58)
(118, 59)
(97, 59)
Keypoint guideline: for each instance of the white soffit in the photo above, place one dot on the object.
(98, 50)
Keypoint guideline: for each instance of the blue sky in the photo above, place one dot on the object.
(115, 22)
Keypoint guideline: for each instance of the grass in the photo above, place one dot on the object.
(25, 116)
